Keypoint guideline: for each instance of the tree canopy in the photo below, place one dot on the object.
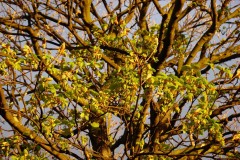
(124, 79)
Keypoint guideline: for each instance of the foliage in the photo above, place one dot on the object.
(119, 79)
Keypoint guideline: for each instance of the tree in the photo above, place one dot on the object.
(135, 79)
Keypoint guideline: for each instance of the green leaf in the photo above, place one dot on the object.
(95, 125)
(84, 139)
(14, 158)
(186, 68)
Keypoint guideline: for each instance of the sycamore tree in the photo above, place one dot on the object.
(124, 79)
